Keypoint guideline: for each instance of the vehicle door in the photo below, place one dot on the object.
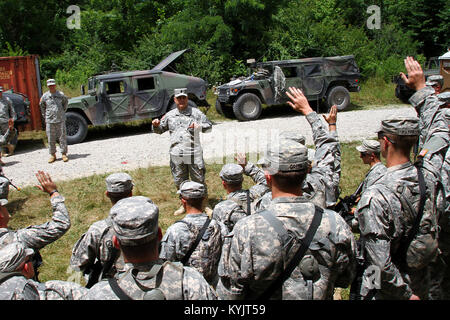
(291, 79)
(149, 97)
(313, 80)
(116, 95)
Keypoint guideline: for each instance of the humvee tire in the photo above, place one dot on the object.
(338, 96)
(76, 127)
(247, 107)
(227, 112)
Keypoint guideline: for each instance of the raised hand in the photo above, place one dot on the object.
(416, 78)
(298, 101)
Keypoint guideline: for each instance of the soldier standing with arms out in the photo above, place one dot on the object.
(53, 108)
(186, 154)
(7, 114)
(137, 235)
(261, 245)
(94, 253)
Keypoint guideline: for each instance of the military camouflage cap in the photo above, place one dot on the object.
(444, 96)
(119, 182)
(232, 173)
(192, 190)
(434, 80)
(285, 156)
(51, 82)
(369, 146)
(180, 92)
(4, 191)
(400, 126)
(135, 220)
(293, 135)
(13, 255)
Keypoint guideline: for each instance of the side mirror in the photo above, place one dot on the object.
(83, 91)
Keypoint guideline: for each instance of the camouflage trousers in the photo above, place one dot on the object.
(184, 167)
(12, 138)
(56, 132)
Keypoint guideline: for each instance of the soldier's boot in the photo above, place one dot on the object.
(179, 211)
(65, 158)
(11, 149)
(52, 158)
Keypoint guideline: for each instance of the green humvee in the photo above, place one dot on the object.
(125, 96)
(327, 79)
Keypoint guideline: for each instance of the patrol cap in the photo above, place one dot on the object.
(13, 255)
(369, 146)
(400, 126)
(51, 82)
(444, 96)
(192, 190)
(135, 220)
(434, 80)
(180, 92)
(293, 135)
(285, 156)
(119, 182)
(232, 173)
(4, 191)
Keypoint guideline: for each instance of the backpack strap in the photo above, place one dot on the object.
(8, 275)
(118, 290)
(249, 210)
(305, 242)
(196, 242)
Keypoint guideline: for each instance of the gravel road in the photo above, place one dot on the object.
(150, 149)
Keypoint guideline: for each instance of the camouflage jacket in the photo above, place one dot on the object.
(373, 175)
(434, 133)
(54, 106)
(4, 138)
(184, 140)
(37, 237)
(6, 110)
(234, 207)
(253, 255)
(385, 221)
(20, 288)
(180, 236)
(321, 184)
(175, 281)
(95, 244)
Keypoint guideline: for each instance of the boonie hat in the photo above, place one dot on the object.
(192, 190)
(13, 255)
(180, 92)
(232, 173)
(119, 182)
(369, 146)
(135, 220)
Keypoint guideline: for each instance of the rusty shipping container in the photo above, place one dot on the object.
(22, 75)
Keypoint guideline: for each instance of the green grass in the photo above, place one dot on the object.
(87, 203)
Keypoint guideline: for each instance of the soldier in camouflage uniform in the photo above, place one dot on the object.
(6, 136)
(239, 202)
(436, 82)
(53, 108)
(321, 184)
(7, 113)
(186, 154)
(95, 248)
(370, 154)
(254, 254)
(36, 237)
(180, 238)
(137, 235)
(17, 271)
(387, 213)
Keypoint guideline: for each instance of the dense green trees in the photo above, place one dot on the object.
(137, 34)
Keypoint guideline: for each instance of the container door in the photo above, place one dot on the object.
(313, 80)
(149, 97)
(117, 96)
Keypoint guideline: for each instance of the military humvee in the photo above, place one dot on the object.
(328, 79)
(125, 96)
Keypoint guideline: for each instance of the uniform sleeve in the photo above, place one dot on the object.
(37, 237)
(42, 105)
(373, 213)
(12, 112)
(5, 137)
(65, 102)
(176, 242)
(85, 250)
(256, 173)
(205, 124)
(195, 286)
(163, 125)
(61, 290)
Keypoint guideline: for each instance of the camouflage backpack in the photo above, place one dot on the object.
(204, 253)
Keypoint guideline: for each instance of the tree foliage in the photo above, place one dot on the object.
(222, 34)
